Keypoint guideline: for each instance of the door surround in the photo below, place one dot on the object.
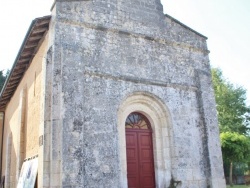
(157, 113)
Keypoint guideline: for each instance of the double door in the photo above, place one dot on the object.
(140, 161)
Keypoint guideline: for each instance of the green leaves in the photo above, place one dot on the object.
(233, 113)
(234, 120)
(235, 147)
(2, 79)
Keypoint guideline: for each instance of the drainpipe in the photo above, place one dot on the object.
(1, 140)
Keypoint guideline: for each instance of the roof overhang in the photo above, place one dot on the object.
(30, 45)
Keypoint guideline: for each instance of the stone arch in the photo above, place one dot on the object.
(158, 114)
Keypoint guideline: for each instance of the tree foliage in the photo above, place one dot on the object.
(234, 120)
(235, 147)
(233, 113)
(2, 79)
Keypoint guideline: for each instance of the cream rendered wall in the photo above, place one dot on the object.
(32, 89)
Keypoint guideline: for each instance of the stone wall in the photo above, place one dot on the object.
(106, 51)
(23, 120)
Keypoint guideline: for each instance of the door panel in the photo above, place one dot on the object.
(132, 159)
(147, 168)
(132, 168)
(146, 154)
(131, 153)
(148, 182)
(147, 175)
(145, 140)
(132, 182)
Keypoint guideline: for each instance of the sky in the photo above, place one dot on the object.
(226, 23)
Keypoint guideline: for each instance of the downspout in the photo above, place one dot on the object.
(1, 140)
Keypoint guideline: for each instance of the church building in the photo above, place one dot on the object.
(110, 94)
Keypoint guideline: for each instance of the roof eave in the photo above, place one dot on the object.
(4, 98)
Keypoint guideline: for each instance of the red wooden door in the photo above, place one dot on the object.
(132, 160)
(140, 161)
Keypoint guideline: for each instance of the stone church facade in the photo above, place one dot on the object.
(124, 98)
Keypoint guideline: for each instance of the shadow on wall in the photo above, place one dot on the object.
(174, 183)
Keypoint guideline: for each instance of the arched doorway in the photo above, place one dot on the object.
(139, 149)
(159, 116)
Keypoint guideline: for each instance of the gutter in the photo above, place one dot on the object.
(53, 5)
(2, 118)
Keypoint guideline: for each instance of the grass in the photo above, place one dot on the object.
(239, 186)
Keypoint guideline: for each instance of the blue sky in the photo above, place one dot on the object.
(226, 23)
